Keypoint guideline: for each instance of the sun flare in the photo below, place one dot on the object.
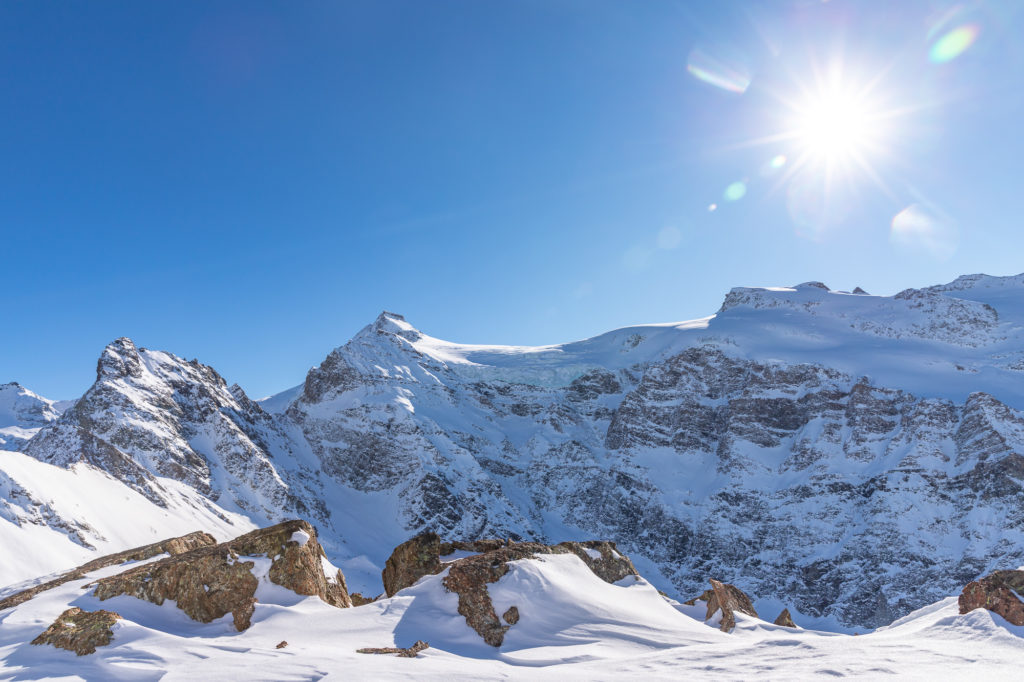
(835, 125)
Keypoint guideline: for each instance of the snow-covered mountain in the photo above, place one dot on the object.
(23, 413)
(853, 457)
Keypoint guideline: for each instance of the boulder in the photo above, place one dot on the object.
(412, 560)
(359, 600)
(729, 599)
(210, 582)
(998, 592)
(80, 631)
(785, 619)
(170, 546)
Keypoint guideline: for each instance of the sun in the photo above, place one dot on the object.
(835, 126)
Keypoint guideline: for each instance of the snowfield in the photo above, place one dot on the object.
(572, 626)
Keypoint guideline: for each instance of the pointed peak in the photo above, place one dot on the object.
(385, 314)
(393, 323)
(120, 358)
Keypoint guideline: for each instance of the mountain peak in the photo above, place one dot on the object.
(119, 359)
(393, 323)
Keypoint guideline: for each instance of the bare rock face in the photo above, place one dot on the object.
(729, 599)
(998, 592)
(210, 582)
(171, 546)
(80, 631)
(485, 545)
(412, 560)
(785, 619)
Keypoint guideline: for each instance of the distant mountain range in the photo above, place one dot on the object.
(851, 457)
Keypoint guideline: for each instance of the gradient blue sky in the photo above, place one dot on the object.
(249, 183)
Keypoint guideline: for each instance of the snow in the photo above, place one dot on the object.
(300, 536)
(572, 625)
(117, 516)
(456, 555)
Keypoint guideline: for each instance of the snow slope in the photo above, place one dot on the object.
(572, 626)
(54, 518)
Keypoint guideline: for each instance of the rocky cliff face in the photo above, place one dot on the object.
(853, 456)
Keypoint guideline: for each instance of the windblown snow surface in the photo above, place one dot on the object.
(572, 626)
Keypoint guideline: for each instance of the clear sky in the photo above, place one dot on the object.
(249, 183)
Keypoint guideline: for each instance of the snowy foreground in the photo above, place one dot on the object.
(572, 626)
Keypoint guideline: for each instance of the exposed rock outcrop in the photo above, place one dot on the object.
(410, 561)
(407, 652)
(785, 619)
(728, 599)
(998, 592)
(359, 600)
(170, 546)
(210, 582)
(80, 631)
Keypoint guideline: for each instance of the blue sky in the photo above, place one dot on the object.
(250, 183)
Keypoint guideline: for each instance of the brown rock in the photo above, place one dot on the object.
(412, 560)
(728, 599)
(705, 597)
(295, 566)
(785, 619)
(171, 546)
(997, 592)
(512, 615)
(80, 631)
(478, 546)
(409, 652)
(360, 600)
(209, 582)
(282, 644)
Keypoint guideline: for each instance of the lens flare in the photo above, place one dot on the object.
(722, 67)
(953, 44)
(920, 229)
(773, 166)
(735, 191)
(712, 208)
(814, 207)
(669, 237)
